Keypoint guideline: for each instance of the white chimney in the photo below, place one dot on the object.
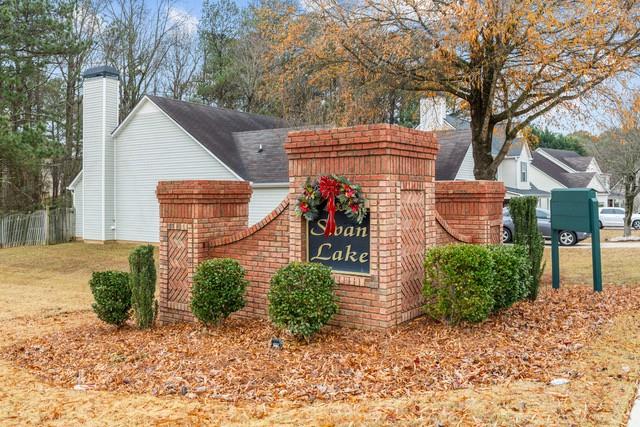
(100, 102)
(432, 114)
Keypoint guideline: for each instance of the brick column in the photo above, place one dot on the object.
(395, 167)
(473, 208)
(191, 214)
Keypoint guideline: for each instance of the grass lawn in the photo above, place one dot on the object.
(619, 266)
(48, 280)
(44, 290)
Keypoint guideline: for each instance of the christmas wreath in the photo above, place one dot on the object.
(339, 195)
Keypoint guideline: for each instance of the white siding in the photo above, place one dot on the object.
(77, 205)
(465, 172)
(99, 118)
(111, 111)
(542, 181)
(151, 148)
(509, 172)
(264, 200)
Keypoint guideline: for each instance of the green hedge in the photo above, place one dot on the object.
(302, 298)
(469, 282)
(142, 281)
(526, 234)
(459, 283)
(218, 290)
(112, 296)
(511, 275)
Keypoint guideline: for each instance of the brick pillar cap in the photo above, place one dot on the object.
(200, 190)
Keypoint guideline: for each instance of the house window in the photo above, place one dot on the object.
(523, 172)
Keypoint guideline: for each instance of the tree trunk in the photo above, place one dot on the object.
(629, 196)
(481, 139)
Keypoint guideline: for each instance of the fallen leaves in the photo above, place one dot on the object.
(235, 362)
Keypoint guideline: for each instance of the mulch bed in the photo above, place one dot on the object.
(234, 362)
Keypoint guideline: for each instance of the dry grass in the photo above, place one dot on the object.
(53, 279)
(603, 374)
(619, 266)
(608, 233)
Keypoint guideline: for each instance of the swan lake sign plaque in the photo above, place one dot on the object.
(347, 251)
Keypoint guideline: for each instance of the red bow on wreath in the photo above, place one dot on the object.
(329, 189)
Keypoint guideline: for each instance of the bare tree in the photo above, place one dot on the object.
(84, 22)
(618, 150)
(179, 73)
(136, 40)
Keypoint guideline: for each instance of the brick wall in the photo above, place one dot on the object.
(470, 209)
(261, 249)
(409, 212)
(393, 165)
(191, 214)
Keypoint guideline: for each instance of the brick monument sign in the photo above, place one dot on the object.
(378, 265)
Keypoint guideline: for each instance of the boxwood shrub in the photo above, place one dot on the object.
(112, 296)
(459, 283)
(302, 298)
(511, 274)
(469, 282)
(218, 290)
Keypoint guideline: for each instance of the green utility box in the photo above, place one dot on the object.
(575, 209)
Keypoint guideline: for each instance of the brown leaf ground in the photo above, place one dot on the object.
(234, 362)
(603, 373)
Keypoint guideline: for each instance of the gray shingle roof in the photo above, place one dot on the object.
(263, 154)
(570, 158)
(453, 147)
(568, 179)
(214, 128)
(458, 123)
(534, 191)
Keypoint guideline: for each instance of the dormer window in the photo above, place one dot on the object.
(523, 172)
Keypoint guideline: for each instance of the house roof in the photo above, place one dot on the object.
(570, 158)
(263, 154)
(457, 123)
(215, 127)
(453, 147)
(534, 191)
(568, 179)
(74, 183)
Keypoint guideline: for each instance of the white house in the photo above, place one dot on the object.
(551, 168)
(164, 139)
(455, 156)
(524, 172)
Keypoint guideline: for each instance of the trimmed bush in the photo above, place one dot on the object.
(302, 298)
(112, 296)
(142, 281)
(526, 233)
(459, 283)
(218, 290)
(511, 274)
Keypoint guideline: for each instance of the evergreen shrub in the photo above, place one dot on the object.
(218, 290)
(302, 298)
(526, 234)
(142, 281)
(459, 283)
(112, 296)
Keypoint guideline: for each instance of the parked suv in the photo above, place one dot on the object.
(614, 217)
(565, 237)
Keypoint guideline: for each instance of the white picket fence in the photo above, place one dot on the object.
(44, 227)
